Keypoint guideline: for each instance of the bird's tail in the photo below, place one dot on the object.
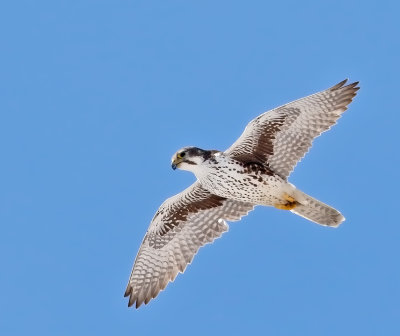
(316, 211)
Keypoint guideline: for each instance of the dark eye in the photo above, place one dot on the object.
(182, 154)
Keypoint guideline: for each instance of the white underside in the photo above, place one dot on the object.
(226, 181)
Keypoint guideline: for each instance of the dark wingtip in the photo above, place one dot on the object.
(128, 291)
(342, 85)
(339, 85)
(131, 301)
(355, 85)
(138, 304)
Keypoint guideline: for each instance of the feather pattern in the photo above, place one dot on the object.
(253, 171)
(183, 224)
(279, 138)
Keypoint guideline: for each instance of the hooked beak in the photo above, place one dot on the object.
(175, 162)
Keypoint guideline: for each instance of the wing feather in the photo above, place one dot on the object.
(279, 138)
(182, 224)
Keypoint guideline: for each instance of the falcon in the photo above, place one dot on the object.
(253, 171)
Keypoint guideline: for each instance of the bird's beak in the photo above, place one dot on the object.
(175, 163)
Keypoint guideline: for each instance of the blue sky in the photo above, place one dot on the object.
(95, 98)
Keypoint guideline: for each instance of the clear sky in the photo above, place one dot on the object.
(96, 96)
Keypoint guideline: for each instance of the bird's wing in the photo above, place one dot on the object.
(182, 224)
(280, 137)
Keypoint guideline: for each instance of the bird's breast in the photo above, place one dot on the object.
(247, 183)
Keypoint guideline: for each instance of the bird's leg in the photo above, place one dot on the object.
(290, 204)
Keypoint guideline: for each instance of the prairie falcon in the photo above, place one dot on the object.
(253, 171)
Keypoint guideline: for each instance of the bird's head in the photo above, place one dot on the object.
(188, 158)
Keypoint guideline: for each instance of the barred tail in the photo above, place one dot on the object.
(317, 212)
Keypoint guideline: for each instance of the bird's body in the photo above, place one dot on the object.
(253, 171)
(241, 181)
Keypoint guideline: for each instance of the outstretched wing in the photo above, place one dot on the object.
(182, 224)
(280, 137)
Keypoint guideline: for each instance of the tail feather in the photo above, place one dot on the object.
(317, 212)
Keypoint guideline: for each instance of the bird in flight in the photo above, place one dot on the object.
(253, 171)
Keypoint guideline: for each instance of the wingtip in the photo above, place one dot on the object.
(128, 291)
(135, 300)
(354, 85)
(342, 85)
(131, 301)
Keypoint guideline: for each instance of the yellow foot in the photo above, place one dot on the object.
(288, 206)
(291, 203)
(289, 198)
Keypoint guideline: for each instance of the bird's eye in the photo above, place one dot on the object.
(181, 155)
